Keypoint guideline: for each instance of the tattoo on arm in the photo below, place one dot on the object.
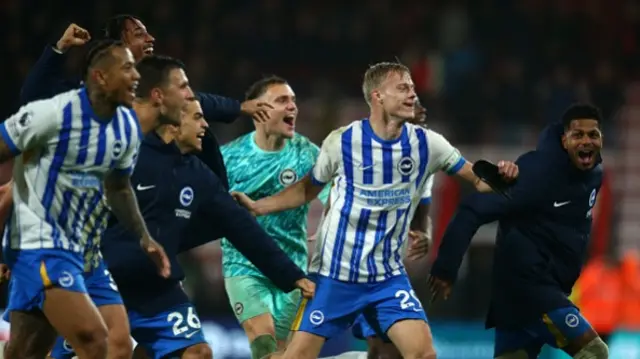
(124, 204)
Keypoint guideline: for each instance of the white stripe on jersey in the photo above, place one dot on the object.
(66, 153)
(377, 186)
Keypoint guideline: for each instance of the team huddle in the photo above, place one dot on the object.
(119, 174)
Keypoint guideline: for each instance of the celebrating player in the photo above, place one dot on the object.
(161, 95)
(378, 168)
(78, 139)
(260, 164)
(47, 78)
(542, 240)
(163, 320)
(418, 246)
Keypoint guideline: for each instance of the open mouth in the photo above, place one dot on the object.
(148, 50)
(133, 88)
(586, 156)
(289, 120)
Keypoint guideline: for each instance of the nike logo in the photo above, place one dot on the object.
(144, 188)
(191, 334)
(362, 167)
(560, 204)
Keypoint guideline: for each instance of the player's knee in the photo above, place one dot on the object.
(595, 349)
(120, 345)
(423, 353)
(262, 346)
(91, 339)
(200, 351)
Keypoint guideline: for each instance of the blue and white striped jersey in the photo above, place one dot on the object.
(377, 185)
(64, 151)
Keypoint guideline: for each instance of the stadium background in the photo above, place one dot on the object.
(492, 73)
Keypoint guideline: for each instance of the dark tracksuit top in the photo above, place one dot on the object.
(543, 233)
(47, 79)
(172, 190)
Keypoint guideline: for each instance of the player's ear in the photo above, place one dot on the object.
(156, 96)
(376, 95)
(98, 76)
(564, 141)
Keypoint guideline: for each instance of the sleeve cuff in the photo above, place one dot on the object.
(7, 139)
(455, 168)
(125, 172)
(315, 181)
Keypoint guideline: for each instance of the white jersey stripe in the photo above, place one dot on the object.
(66, 153)
(377, 185)
(346, 205)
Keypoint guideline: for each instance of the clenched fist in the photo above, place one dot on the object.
(74, 35)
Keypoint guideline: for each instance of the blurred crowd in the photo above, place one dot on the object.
(491, 70)
(488, 71)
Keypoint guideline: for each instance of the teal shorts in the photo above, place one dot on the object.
(251, 296)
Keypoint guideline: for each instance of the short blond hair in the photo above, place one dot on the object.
(376, 73)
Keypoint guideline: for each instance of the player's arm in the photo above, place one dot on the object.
(218, 108)
(47, 76)
(452, 162)
(226, 218)
(482, 208)
(305, 190)
(420, 226)
(28, 129)
(120, 194)
(124, 204)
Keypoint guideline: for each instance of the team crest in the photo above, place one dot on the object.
(25, 119)
(287, 177)
(406, 166)
(592, 198)
(186, 196)
(117, 149)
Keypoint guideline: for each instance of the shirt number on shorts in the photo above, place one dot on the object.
(178, 320)
(408, 299)
(112, 283)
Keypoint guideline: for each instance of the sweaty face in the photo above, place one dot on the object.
(283, 116)
(398, 95)
(192, 128)
(120, 78)
(137, 38)
(583, 142)
(175, 97)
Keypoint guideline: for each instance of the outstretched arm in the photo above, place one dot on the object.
(223, 217)
(218, 108)
(481, 208)
(294, 196)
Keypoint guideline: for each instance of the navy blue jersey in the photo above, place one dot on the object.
(172, 190)
(543, 233)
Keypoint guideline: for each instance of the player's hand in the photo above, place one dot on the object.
(245, 201)
(508, 170)
(439, 288)
(156, 252)
(74, 35)
(5, 273)
(419, 243)
(307, 287)
(258, 110)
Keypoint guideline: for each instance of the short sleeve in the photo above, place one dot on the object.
(445, 157)
(127, 162)
(426, 193)
(32, 126)
(327, 162)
